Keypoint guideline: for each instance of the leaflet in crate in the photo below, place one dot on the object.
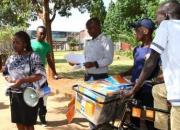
(104, 86)
(91, 96)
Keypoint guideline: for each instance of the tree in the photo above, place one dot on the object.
(110, 24)
(73, 42)
(124, 12)
(149, 8)
(6, 35)
(14, 12)
(62, 7)
(98, 10)
(17, 12)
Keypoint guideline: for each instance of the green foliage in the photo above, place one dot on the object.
(97, 9)
(110, 23)
(151, 9)
(128, 12)
(62, 7)
(6, 32)
(119, 16)
(6, 35)
(72, 42)
(128, 37)
(18, 12)
(165, 0)
(128, 54)
(124, 12)
(14, 12)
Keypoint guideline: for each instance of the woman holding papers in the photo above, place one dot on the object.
(25, 70)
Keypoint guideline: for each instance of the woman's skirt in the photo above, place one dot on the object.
(20, 112)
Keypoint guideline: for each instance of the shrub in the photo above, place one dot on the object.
(6, 34)
(128, 54)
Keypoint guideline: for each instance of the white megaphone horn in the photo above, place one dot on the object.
(31, 96)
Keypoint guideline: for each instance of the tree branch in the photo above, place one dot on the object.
(54, 15)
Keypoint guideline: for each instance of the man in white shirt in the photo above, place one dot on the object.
(98, 52)
(159, 91)
(166, 44)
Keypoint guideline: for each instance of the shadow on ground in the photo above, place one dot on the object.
(73, 75)
(61, 99)
(3, 106)
(60, 110)
(64, 122)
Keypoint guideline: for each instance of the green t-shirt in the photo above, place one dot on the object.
(41, 48)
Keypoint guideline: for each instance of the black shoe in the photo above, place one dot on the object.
(43, 119)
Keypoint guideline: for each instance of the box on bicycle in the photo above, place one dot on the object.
(95, 100)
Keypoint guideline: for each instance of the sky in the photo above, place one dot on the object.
(74, 23)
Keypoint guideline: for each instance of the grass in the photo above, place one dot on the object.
(120, 63)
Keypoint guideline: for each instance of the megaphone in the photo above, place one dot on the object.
(31, 97)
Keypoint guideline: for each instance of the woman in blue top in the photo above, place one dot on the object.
(143, 33)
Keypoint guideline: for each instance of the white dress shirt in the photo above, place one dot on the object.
(100, 50)
(166, 43)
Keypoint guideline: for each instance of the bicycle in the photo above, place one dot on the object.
(115, 110)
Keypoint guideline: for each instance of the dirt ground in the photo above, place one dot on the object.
(57, 107)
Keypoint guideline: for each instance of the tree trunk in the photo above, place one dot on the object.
(47, 23)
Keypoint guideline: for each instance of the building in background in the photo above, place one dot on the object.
(59, 38)
(84, 37)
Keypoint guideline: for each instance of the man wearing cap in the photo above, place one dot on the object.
(166, 45)
(143, 33)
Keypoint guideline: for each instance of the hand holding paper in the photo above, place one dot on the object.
(75, 58)
(89, 64)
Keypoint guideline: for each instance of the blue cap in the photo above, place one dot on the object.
(147, 23)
